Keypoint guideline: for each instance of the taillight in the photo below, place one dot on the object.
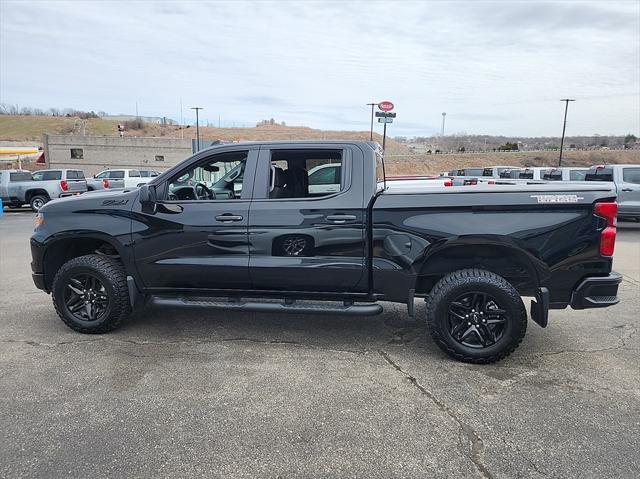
(608, 211)
(64, 185)
(448, 183)
(105, 183)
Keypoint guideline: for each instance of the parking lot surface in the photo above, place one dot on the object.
(187, 394)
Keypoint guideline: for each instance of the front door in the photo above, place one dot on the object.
(629, 192)
(307, 235)
(196, 236)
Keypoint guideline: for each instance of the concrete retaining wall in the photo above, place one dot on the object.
(93, 154)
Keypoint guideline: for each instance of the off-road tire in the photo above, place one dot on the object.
(37, 202)
(111, 274)
(457, 283)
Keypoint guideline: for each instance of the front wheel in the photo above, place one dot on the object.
(476, 316)
(90, 294)
(37, 202)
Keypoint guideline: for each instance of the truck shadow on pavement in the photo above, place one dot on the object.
(340, 333)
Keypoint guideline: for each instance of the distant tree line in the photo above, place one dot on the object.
(7, 109)
(465, 142)
(270, 121)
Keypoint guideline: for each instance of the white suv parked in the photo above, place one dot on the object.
(125, 178)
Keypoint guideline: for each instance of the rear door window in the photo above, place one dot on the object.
(526, 175)
(631, 175)
(134, 173)
(305, 173)
(47, 175)
(473, 172)
(487, 172)
(20, 176)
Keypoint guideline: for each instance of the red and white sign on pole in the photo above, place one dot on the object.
(385, 106)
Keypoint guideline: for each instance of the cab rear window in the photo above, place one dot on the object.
(599, 174)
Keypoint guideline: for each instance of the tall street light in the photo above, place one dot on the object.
(564, 127)
(197, 109)
(371, 131)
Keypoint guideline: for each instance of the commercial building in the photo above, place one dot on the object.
(93, 154)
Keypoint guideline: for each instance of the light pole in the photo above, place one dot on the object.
(371, 131)
(197, 109)
(564, 127)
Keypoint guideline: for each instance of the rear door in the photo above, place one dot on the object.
(629, 191)
(305, 237)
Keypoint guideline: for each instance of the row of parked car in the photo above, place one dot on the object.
(573, 173)
(625, 179)
(21, 187)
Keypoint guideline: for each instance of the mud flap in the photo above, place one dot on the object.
(540, 307)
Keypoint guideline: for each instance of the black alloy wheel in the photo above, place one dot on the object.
(476, 320)
(86, 298)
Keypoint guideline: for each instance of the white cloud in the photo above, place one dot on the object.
(495, 67)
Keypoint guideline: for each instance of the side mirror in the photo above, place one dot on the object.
(148, 194)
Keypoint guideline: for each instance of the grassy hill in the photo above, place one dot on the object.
(20, 128)
(400, 159)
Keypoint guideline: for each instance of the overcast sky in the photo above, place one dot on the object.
(494, 67)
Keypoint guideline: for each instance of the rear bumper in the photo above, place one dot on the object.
(597, 292)
(71, 193)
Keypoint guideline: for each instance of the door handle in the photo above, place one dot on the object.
(228, 217)
(340, 219)
(627, 189)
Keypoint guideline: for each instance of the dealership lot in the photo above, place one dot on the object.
(258, 395)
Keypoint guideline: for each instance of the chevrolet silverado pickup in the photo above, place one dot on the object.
(237, 227)
(18, 187)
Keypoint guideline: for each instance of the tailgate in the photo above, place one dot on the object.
(77, 186)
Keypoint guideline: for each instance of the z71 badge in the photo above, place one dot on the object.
(114, 202)
(557, 198)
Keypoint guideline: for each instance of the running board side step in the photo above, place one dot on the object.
(286, 306)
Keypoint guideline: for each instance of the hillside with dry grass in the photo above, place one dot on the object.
(400, 159)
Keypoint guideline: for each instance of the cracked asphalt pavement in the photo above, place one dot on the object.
(189, 394)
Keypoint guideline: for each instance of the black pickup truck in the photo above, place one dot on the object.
(310, 228)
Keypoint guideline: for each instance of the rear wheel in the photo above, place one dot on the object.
(90, 294)
(476, 316)
(37, 202)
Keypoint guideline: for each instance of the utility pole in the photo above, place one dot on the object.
(444, 114)
(384, 134)
(371, 132)
(197, 109)
(564, 127)
(181, 121)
